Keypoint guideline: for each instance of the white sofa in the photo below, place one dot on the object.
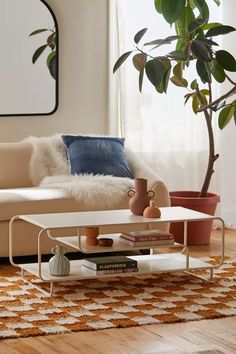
(18, 196)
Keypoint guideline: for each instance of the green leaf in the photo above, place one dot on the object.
(50, 57)
(38, 52)
(203, 71)
(217, 71)
(226, 60)
(178, 71)
(225, 116)
(203, 9)
(208, 42)
(200, 50)
(195, 24)
(139, 60)
(211, 25)
(141, 73)
(121, 60)
(217, 2)
(162, 87)
(38, 31)
(155, 71)
(159, 42)
(53, 67)
(187, 97)
(177, 55)
(218, 30)
(178, 82)
(195, 104)
(139, 35)
(235, 117)
(51, 39)
(193, 84)
(181, 25)
(172, 10)
(205, 92)
(158, 5)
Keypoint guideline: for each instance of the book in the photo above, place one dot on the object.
(115, 271)
(147, 235)
(110, 262)
(147, 243)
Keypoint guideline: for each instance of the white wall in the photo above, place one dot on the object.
(83, 75)
(228, 145)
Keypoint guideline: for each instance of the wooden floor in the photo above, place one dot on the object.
(206, 337)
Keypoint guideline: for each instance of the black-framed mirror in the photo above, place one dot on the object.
(29, 58)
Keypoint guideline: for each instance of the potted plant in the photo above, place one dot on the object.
(195, 41)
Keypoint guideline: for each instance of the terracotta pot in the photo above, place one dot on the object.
(199, 232)
(91, 234)
(140, 197)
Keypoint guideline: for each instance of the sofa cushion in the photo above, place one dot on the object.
(35, 200)
(97, 155)
(14, 165)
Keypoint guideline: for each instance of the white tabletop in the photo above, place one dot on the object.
(110, 217)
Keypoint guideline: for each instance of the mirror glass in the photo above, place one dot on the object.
(29, 58)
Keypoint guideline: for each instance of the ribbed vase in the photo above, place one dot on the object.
(59, 265)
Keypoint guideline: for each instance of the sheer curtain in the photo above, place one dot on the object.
(167, 134)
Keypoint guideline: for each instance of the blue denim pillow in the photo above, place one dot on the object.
(97, 155)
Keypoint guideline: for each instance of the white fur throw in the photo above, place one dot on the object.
(92, 190)
(49, 167)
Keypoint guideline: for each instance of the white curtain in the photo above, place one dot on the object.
(167, 134)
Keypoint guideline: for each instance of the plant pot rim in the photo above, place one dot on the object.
(193, 197)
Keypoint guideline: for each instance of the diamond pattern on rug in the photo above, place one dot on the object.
(114, 302)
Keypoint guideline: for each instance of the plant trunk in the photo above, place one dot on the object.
(212, 157)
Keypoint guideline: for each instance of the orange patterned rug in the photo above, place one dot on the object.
(114, 302)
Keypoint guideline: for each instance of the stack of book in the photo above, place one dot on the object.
(111, 264)
(147, 238)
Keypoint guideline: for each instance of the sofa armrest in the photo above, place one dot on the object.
(141, 170)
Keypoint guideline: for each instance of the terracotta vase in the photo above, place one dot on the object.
(139, 197)
(199, 232)
(91, 234)
(152, 211)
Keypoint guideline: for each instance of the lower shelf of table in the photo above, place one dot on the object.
(168, 262)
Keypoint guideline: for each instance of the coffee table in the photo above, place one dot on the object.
(153, 263)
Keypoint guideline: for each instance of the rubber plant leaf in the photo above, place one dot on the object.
(217, 71)
(121, 60)
(172, 10)
(203, 9)
(195, 24)
(218, 30)
(226, 60)
(203, 71)
(200, 50)
(139, 35)
(53, 66)
(155, 71)
(139, 60)
(225, 116)
(158, 5)
(38, 52)
(38, 31)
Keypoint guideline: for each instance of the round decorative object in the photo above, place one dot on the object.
(59, 265)
(105, 242)
(152, 211)
(91, 234)
(140, 197)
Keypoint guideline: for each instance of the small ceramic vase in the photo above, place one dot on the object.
(140, 197)
(91, 234)
(59, 264)
(152, 211)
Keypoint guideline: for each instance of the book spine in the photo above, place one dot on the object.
(117, 271)
(107, 266)
(147, 243)
(147, 238)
